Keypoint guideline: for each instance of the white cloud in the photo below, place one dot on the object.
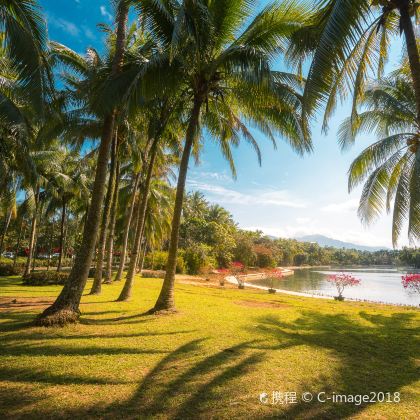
(281, 198)
(349, 205)
(64, 25)
(105, 13)
(303, 220)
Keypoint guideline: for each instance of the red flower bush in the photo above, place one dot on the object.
(278, 274)
(341, 281)
(411, 282)
(236, 267)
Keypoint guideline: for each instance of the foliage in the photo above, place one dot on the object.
(389, 168)
(9, 270)
(45, 278)
(411, 282)
(341, 281)
(199, 259)
(157, 261)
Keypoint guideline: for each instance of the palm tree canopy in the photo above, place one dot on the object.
(390, 167)
(348, 41)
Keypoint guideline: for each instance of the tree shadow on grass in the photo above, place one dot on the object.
(377, 356)
(179, 389)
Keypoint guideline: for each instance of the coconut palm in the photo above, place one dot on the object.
(390, 167)
(348, 41)
(227, 79)
(25, 45)
(67, 184)
(66, 307)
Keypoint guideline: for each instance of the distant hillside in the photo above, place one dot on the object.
(325, 241)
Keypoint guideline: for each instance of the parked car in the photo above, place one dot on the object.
(43, 256)
(8, 254)
(55, 255)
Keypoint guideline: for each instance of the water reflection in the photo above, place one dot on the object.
(378, 284)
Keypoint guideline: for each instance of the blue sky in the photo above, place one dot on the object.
(289, 195)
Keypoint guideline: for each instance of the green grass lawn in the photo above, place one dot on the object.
(210, 360)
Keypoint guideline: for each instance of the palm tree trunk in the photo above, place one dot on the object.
(110, 242)
(129, 280)
(412, 50)
(97, 282)
(66, 307)
(18, 243)
(143, 254)
(165, 301)
(50, 245)
(63, 221)
(128, 219)
(32, 236)
(6, 227)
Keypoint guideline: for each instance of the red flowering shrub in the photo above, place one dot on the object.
(277, 274)
(236, 267)
(411, 282)
(341, 281)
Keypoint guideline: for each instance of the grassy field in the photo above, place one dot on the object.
(212, 359)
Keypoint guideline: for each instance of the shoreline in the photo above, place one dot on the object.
(234, 280)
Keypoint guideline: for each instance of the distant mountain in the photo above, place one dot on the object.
(325, 241)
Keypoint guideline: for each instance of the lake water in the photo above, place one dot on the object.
(377, 284)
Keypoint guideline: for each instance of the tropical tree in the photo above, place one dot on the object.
(390, 167)
(25, 44)
(228, 79)
(66, 307)
(348, 41)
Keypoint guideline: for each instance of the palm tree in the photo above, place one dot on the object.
(66, 307)
(227, 78)
(25, 45)
(390, 167)
(68, 184)
(347, 41)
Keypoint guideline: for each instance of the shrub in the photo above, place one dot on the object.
(44, 278)
(153, 274)
(411, 282)
(157, 261)
(265, 257)
(9, 270)
(341, 281)
(198, 259)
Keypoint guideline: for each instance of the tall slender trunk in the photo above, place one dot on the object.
(412, 50)
(165, 301)
(32, 235)
(97, 282)
(3, 235)
(18, 243)
(110, 242)
(50, 245)
(143, 254)
(129, 280)
(66, 308)
(62, 224)
(128, 219)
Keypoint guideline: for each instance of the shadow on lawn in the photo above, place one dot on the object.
(180, 389)
(379, 357)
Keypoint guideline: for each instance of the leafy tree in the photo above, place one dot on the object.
(390, 167)
(347, 40)
(228, 78)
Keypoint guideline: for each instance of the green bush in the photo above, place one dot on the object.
(157, 261)
(44, 278)
(9, 270)
(198, 259)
